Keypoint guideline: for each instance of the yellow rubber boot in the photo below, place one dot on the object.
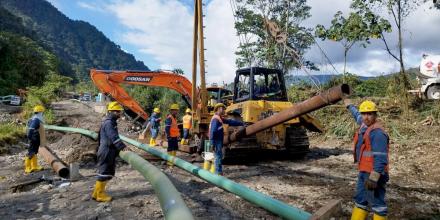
(34, 164)
(168, 162)
(95, 192)
(27, 165)
(182, 142)
(101, 196)
(359, 214)
(154, 142)
(207, 165)
(212, 167)
(379, 217)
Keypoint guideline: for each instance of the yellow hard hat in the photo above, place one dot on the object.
(39, 108)
(218, 105)
(114, 106)
(188, 110)
(157, 110)
(174, 107)
(367, 106)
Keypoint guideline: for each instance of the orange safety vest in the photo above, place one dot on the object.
(214, 117)
(174, 130)
(187, 121)
(366, 162)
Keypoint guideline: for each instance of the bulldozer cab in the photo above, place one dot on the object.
(258, 83)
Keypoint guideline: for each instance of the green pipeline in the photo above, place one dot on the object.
(170, 200)
(275, 206)
(85, 132)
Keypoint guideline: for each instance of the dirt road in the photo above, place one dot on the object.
(326, 173)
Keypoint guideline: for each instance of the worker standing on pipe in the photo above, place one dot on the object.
(172, 131)
(187, 124)
(154, 126)
(216, 134)
(109, 146)
(371, 147)
(33, 135)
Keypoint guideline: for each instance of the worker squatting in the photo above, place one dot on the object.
(370, 150)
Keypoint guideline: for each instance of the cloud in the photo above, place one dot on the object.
(420, 36)
(164, 31)
(89, 6)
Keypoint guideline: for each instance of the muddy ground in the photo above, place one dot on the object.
(326, 173)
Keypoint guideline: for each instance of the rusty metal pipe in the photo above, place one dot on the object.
(54, 162)
(328, 97)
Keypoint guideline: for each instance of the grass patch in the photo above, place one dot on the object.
(10, 134)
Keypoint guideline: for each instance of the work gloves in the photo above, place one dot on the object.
(347, 102)
(371, 182)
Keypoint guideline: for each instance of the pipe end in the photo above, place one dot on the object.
(64, 173)
(346, 89)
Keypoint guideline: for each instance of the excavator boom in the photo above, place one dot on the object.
(109, 82)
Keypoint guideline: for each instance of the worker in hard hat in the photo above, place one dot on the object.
(109, 146)
(216, 134)
(371, 148)
(154, 126)
(187, 124)
(33, 135)
(172, 131)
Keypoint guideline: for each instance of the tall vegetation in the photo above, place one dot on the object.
(259, 47)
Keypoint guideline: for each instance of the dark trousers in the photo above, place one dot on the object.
(33, 148)
(173, 144)
(106, 162)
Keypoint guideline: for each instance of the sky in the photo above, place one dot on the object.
(159, 33)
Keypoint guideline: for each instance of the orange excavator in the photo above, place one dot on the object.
(109, 82)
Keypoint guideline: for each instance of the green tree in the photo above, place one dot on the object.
(398, 10)
(255, 20)
(358, 27)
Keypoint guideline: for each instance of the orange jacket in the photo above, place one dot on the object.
(171, 123)
(366, 162)
(187, 121)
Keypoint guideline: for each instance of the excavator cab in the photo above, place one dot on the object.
(257, 83)
(218, 94)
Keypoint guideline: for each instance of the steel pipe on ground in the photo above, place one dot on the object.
(328, 97)
(54, 162)
(170, 200)
(275, 206)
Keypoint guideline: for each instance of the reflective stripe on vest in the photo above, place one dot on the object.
(215, 117)
(174, 130)
(187, 121)
(366, 162)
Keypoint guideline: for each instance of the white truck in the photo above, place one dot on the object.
(429, 77)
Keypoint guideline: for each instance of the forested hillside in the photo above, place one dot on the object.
(77, 44)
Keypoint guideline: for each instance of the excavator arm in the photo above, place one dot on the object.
(109, 82)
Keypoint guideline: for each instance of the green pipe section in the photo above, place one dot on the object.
(170, 200)
(85, 132)
(275, 206)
